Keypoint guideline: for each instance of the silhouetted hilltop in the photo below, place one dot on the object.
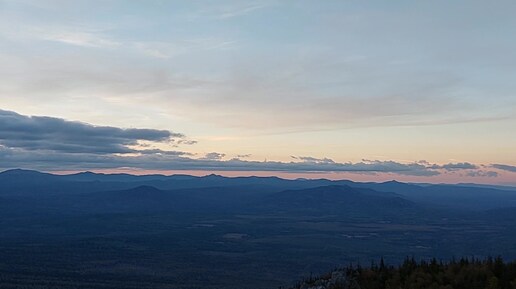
(25, 175)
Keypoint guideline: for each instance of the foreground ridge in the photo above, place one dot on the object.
(490, 273)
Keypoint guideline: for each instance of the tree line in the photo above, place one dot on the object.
(464, 273)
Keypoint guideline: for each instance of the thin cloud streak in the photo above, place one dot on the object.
(78, 38)
(230, 12)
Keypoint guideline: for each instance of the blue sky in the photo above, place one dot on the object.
(429, 83)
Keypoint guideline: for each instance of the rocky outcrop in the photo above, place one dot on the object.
(335, 280)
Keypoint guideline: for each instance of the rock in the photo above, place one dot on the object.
(337, 279)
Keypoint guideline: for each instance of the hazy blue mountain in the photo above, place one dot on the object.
(498, 187)
(343, 201)
(90, 176)
(449, 196)
(138, 199)
(24, 182)
(146, 198)
(462, 197)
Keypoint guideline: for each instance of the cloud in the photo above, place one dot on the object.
(480, 173)
(162, 152)
(412, 169)
(240, 9)
(214, 156)
(165, 50)
(186, 142)
(63, 136)
(456, 166)
(175, 160)
(314, 160)
(227, 10)
(78, 38)
(508, 168)
(159, 160)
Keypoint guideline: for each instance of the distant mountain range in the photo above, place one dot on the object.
(19, 182)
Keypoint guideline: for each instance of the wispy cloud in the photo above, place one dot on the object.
(229, 9)
(88, 36)
(78, 38)
(171, 49)
(240, 8)
(286, 83)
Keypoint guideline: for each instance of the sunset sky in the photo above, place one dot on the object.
(420, 91)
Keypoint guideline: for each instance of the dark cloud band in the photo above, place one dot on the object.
(505, 167)
(59, 135)
(160, 160)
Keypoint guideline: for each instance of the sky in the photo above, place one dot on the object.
(419, 91)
